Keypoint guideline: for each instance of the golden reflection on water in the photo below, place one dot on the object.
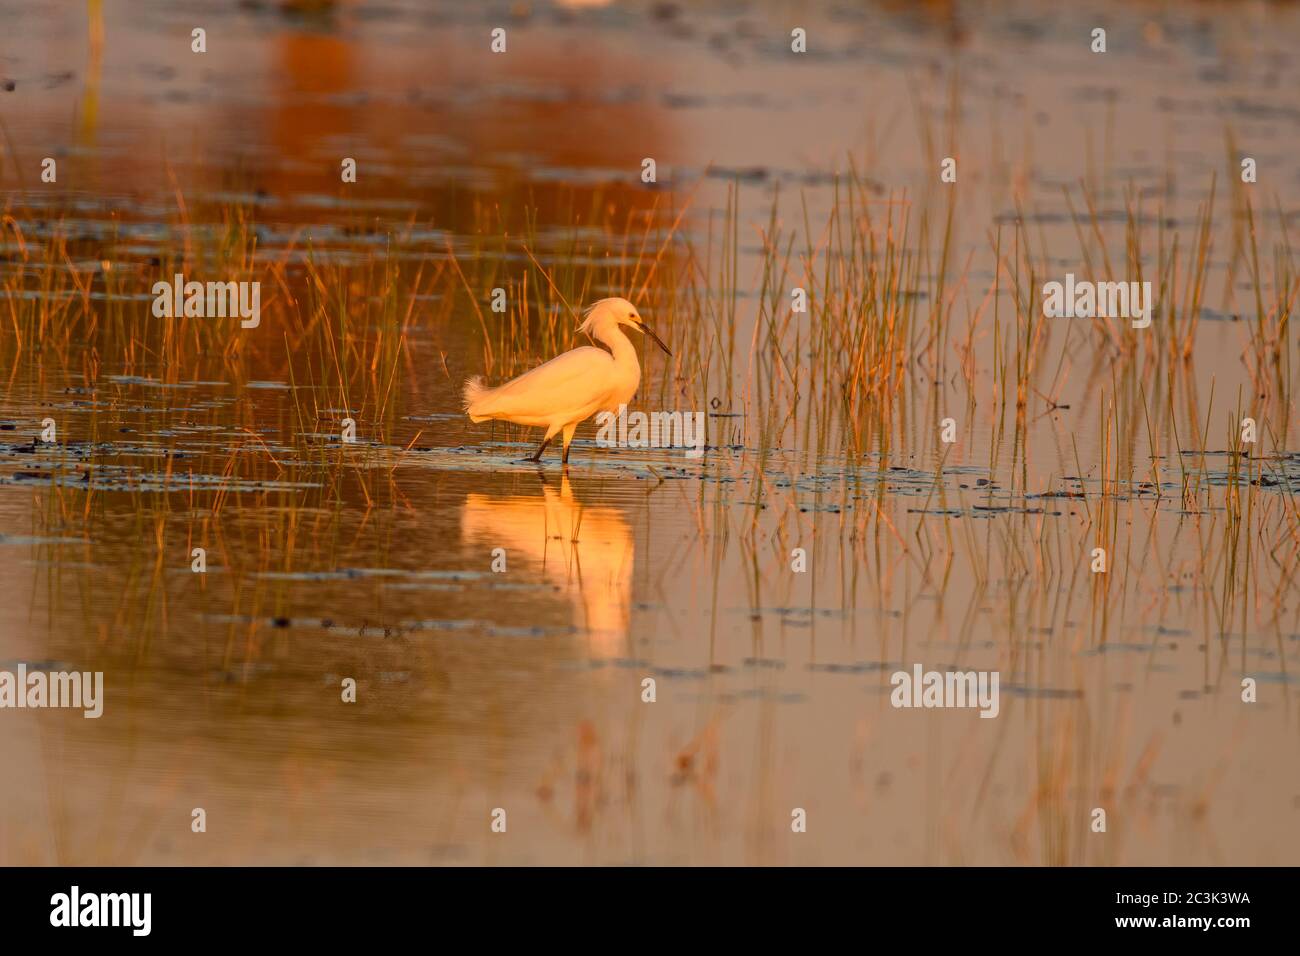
(585, 550)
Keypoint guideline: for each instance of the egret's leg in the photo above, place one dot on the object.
(568, 437)
(540, 448)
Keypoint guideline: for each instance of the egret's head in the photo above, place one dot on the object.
(617, 312)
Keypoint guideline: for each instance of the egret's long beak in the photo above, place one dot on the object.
(658, 341)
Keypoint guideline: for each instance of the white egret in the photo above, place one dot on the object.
(570, 388)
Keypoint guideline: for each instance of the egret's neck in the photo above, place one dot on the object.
(619, 345)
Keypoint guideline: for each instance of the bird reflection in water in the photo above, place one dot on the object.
(585, 550)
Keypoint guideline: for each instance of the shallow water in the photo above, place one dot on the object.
(522, 689)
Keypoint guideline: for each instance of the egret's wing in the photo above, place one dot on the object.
(573, 379)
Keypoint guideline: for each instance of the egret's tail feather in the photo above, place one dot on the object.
(474, 394)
